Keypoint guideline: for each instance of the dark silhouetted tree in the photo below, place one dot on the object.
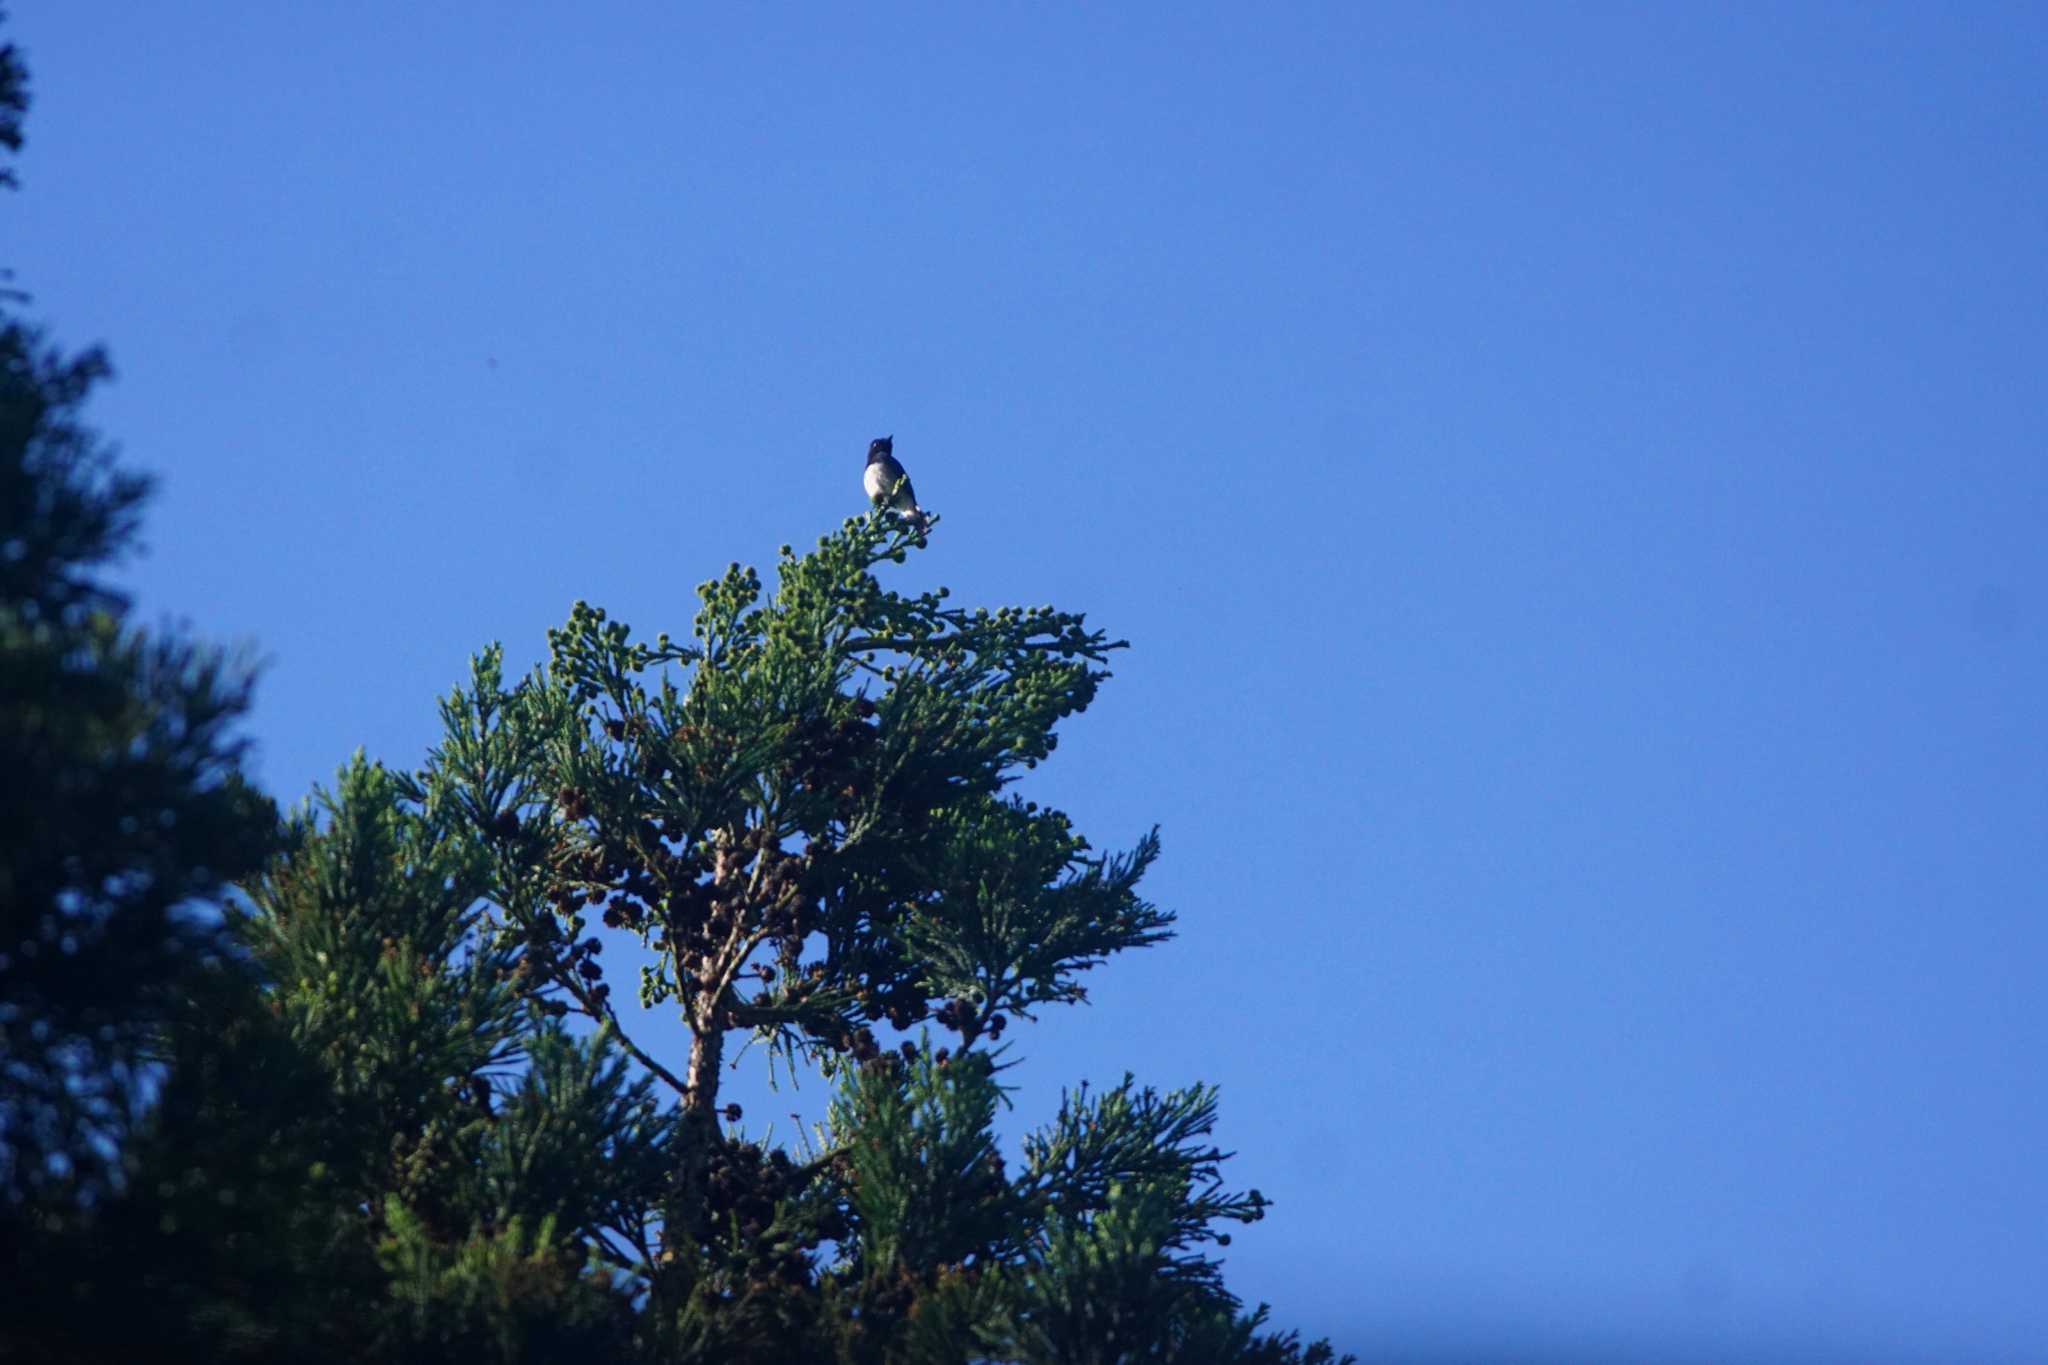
(123, 817)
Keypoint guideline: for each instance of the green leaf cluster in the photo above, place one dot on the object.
(805, 815)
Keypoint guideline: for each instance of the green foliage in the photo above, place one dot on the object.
(508, 1295)
(428, 1164)
(365, 926)
(466, 1101)
(1035, 915)
(581, 1142)
(1090, 1253)
(371, 1139)
(924, 1179)
(802, 815)
(1113, 1152)
(122, 805)
(238, 1234)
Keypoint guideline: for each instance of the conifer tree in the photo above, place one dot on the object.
(430, 1165)
(122, 801)
(122, 814)
(489, 1174)
(805, 813)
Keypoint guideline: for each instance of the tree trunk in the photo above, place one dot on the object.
(700, 1136)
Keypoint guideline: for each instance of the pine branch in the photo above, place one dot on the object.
(602, 1011)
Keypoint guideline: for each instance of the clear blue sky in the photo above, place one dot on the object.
(1574, 479)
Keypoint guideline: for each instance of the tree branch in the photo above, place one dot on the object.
(602, 1011)
(1097, 651)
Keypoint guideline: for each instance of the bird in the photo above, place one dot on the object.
(888, 486)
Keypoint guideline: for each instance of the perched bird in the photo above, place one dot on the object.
(888, 485)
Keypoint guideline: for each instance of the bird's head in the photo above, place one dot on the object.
(881, 448)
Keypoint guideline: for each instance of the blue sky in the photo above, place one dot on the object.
(1573, 478)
